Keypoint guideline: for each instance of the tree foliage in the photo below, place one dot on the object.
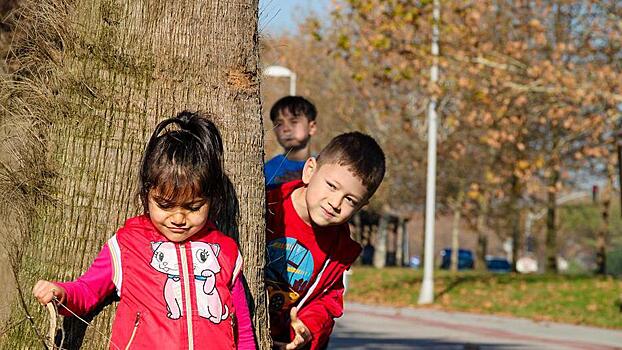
(530, 95)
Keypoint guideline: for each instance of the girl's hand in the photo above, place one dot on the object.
(45, 291)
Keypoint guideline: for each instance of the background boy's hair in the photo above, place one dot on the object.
(360, 153)
(295, 105)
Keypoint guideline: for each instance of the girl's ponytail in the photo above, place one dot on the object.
(184, 155)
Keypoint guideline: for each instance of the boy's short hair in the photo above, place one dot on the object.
(361, 154)
(295, 105)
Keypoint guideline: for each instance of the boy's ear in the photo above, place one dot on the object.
(364, 203)
(312, 127)
(308, 170)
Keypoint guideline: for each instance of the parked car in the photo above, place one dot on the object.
(465, 259)
(498, 265)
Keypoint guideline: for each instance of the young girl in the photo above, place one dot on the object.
(177, 276)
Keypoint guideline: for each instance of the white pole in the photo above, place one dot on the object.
(282, 72)
(292, 84)
(426, 296)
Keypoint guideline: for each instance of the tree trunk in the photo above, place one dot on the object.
(515, 220)
(100, 75)
(358, 234)
(551, 227)
(602, 235)
(399, 246)
(482, 238)
(454, 241)
(406, 245)
(380, 254)
(455, 231)
(601, 238)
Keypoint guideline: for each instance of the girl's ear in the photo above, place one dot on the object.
(308, 170)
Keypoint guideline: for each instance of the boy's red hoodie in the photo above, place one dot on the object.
(318, 290)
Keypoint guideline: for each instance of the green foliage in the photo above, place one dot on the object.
(343, 42)
(614, 262)
(580, 217)
(580, 222)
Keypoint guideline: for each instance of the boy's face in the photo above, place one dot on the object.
(293, 132)
(333, 193)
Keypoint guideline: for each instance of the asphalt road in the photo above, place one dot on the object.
(370, 327)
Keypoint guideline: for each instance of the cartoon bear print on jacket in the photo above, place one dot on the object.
(206, 266)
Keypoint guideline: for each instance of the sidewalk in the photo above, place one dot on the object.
(374, 327)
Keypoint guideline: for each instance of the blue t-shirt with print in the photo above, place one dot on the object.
(280, 169)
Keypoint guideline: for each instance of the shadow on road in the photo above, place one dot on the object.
(372, 341)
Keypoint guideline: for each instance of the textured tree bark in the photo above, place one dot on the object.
(101, 74)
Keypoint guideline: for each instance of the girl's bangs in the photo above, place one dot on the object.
(178, 187)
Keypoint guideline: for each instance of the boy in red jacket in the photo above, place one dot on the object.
(309, 244)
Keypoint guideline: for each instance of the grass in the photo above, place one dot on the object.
(576, 299)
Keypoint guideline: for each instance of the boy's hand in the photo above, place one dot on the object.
(45, 291)
(302, 333)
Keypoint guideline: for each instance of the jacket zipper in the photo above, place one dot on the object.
(184, 266)
(136, 322)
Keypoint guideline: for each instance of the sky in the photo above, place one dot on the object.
(279, 16)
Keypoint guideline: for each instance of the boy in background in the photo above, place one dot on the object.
(294, 123)
(308, 238)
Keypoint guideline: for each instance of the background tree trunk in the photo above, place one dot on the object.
(93, 79)
(602, 236)
(456, 206)
(515, 220)
(551, 224)
(380, 254)
(482, 238)
(401, 252)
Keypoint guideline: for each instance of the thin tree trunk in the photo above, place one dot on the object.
(455, 231)
(602, 235)
(454, 241)
(551, 226)
(101, 75)
(482, 238)
(601, 238)
(515, 220)
(380, 253)
(399, 246)
(406, 244)
(358, 234)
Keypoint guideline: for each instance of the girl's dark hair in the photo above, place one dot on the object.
(184, 160)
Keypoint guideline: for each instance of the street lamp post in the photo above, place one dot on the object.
(282, 72)
(426, 295)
